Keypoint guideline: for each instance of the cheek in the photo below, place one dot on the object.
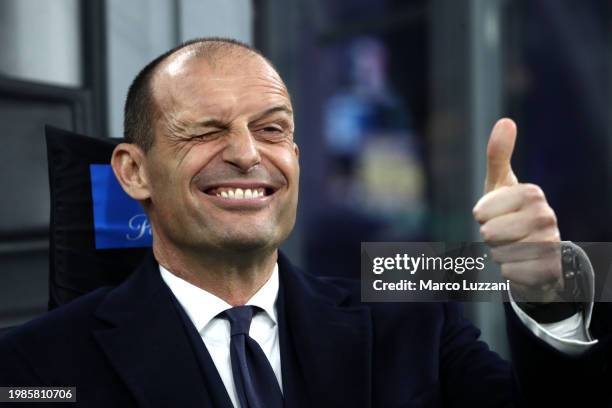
(156, 179)
(159, 170)
(165, 182)
(181, 174)
(163, 189)
(201, 158)
(285, 159)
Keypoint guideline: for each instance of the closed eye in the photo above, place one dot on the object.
(208, 135)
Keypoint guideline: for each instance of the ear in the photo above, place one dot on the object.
(128, 165)
(296, 150)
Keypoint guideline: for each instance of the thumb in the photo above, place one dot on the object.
(499, 154)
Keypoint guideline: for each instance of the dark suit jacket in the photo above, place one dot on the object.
(126, 346)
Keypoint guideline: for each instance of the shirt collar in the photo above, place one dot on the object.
(202, 306)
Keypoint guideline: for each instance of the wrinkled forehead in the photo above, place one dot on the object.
(216, 84)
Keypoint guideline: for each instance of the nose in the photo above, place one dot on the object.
(241, 150)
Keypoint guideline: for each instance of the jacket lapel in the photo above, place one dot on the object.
(333, 342)
(147, 344)
(149, 348)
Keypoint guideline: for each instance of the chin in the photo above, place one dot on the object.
(248, 243)
(245, 245)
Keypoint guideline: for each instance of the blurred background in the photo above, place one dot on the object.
(394, 102)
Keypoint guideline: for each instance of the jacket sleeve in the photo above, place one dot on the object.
(548, 377)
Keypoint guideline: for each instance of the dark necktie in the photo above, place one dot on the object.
(255, 382)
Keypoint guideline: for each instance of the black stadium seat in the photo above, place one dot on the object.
(76, 266)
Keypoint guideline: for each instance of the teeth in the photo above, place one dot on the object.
(239, 193)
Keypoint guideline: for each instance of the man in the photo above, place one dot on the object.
(212, 159)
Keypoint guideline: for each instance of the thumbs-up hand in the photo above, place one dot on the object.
(499, 154)
(511, 214)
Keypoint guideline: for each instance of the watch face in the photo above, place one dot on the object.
(573, 277)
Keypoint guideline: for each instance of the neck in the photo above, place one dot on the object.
(231, 276)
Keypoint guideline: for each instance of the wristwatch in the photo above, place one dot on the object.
(575, 288)
(575, 280)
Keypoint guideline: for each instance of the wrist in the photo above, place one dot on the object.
(569, 300)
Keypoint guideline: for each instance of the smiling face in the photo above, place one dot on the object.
(223, 170)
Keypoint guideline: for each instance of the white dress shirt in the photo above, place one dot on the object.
(203, 307)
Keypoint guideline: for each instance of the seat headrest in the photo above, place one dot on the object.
(98, 234)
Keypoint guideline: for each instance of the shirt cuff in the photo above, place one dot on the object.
(570, 336)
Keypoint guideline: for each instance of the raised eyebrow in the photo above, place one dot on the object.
(220, 124)
(274, 109)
